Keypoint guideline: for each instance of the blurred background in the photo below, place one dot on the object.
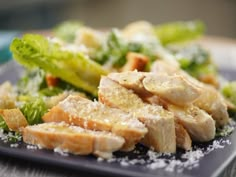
(219, 15)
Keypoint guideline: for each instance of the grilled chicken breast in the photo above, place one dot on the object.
(199, 124)
(183, 139)
(72, 139)
(157, 120)
(209, 100)
(175, 89)
(213, 102)
(97, 116)
(131, 80)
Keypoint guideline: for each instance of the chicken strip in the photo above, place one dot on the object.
(183, 139)
(131, 80)
(209, 100)
(175, 89)
(80, 111)
(157, 120)
(187, 118)
(198, 123)
(163, 67)
(213, 102)
(72, 139)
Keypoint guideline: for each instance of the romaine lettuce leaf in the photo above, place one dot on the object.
(179, 31)
(33, 110)
(32, 81)
(229, 91)
(71, 66)
(3, 124)
(67, 30)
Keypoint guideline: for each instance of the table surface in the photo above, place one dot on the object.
(223, 52)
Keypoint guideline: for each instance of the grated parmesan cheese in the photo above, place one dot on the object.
(15, 145)
(61, 151)
(9, 136)
(100, 159)
(169, 162)
(32, 147)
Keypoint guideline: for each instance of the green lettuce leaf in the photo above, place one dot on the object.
(114, 51)
(229, 91)
(179, 31)
(73, 67)
(3, 124)
(67, 30)
(32, 81)
(196, 61)
(33, 110)
(116, 48)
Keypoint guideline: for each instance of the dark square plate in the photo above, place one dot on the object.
(211, 165)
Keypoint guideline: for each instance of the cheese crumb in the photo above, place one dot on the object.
(61, 151)
(15, 145)
(167, 161)
(32, 147)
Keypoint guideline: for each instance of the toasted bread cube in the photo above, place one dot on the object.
(135, 61)
(14, 119)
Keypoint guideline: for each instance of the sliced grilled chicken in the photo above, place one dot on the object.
(213, 102)
(157, 120)
(72, 139)
(183, 139)
(97, 116)
(209, 100)
(186, 116)
(198, 123)
(14, 119)
(131, 80)
(54, 100)
(175, 89)
(163, 67)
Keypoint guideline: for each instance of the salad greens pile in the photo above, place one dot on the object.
(78, 56)
(116, 48)
(83, 69)
(196, 61)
